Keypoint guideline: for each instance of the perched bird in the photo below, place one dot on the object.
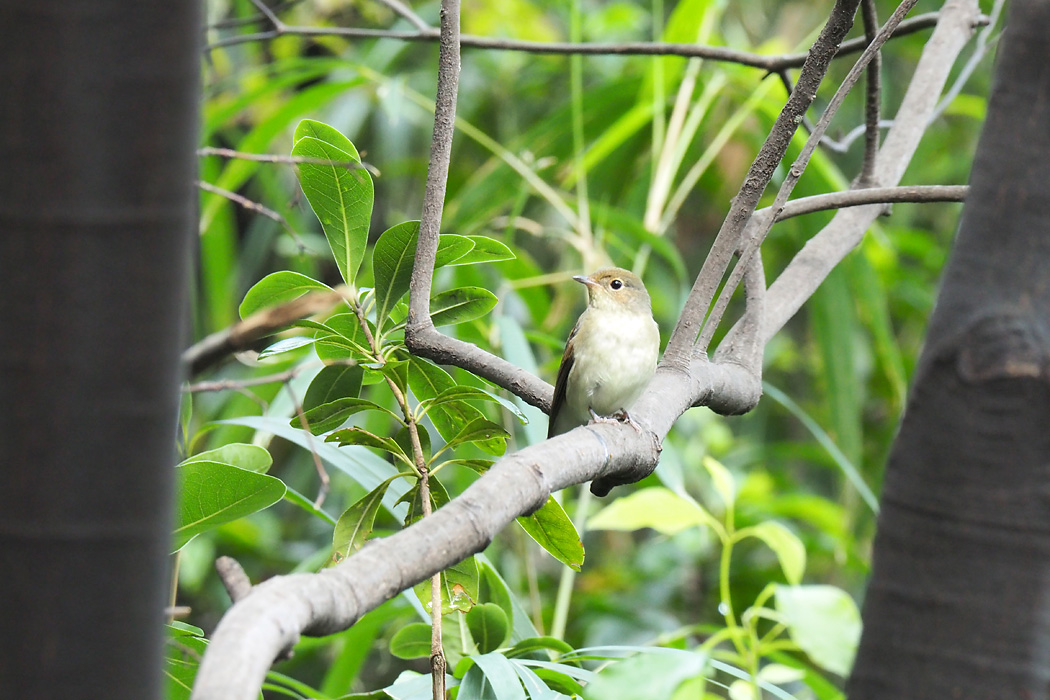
(611, 353)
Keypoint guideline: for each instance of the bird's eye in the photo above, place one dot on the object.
(616, 284)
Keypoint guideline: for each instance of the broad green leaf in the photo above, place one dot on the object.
(488, 626)
(464, 393)
(485, 250)
(253, 458)
(553, 530)
(326, 133)
(278, 288)
(333, 414)
(340, 196)
(181, 659)
(481, 431)
(459, 587)
(657, 507)
(411, 641)
(213, 493)
(475, 686)
(531, 644)
(790, 551)
(824, 622)
(427, 380)
(392, 261)
(645, 676)
(461, 305)
(357, 436)
(355, 524)
(333, 382)
(499, 676)
(722, 480)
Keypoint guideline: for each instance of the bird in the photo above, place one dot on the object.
(610, 355)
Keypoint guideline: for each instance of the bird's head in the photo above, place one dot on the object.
(614, 288)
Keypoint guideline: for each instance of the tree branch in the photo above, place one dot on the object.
(679, 349)
(771, 64)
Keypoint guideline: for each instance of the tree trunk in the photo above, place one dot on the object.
(98, 105)
(959, 603)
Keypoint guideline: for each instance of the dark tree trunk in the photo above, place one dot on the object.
(959, 601)
(98, 104)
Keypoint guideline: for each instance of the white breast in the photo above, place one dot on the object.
(612, 376)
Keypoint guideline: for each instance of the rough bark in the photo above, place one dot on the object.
(98, 105)
(957, 606)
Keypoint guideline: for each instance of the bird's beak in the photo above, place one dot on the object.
(585, 280)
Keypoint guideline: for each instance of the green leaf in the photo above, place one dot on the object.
(333, 414)
(411, 641)
(553, 530)
(459, 587)
(657, 507)
(645, 676)
(323, 132)
(463, 393)
(286, 345)
(392, 260)
(722, 480)
(357, 436)
(488, 626)
(527, 646)
(393, 257)
(340, 196)
(824, 622)
(355, 524)
(481, 431)
(485, 250)
(438, 498)
(499, 675)
(334, 382)
(278, 288)
(404, 438)
(427, 380)
(213, 493)
(461, 305)
(785, 544)
(252, 458)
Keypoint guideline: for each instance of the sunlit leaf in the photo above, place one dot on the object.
(244, 456)
(553, 530)
(461, 305)
(355, 524)
(824, 622)
(278, 288)
(659, 508)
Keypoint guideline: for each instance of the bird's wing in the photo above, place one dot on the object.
(562, 382)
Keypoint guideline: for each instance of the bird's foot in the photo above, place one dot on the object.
(621, 416)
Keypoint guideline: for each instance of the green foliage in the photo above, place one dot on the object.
(707, 580)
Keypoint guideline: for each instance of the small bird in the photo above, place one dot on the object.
(611, 353)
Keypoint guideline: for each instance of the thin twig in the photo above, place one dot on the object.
(252, 205)
(871, 195)
(769, 64)
(232, 575)
(872, 97)
(406, 12)
(754, 242)
(679, 351)
(294, 160)
(322, 473)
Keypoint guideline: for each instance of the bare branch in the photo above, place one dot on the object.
(406, 12)
(295, 160)
(873, 97)
(252, 205)
(679, 349)
(820, 255)
(871, 195)
(771, 64)
(232, 575)
(754, 241)
(242, 335)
